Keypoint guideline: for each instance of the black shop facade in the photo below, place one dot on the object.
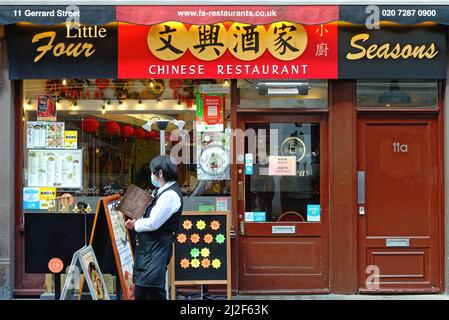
(315, 123)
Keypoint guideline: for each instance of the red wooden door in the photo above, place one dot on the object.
(398, 205)
(288, 252)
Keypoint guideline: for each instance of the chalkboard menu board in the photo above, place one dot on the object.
(202, 250)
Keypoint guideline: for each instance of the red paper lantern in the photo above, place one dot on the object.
(112, 128)
(153, 134)
(90, 125)
(128, 131)
(149, 135)
(140, 133)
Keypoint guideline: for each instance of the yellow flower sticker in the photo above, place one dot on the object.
(185, 263)
(216, 263)
(195, 238)
(205, 252)
(187, 224)
(201, 225)
(182, 238)
(195, 263)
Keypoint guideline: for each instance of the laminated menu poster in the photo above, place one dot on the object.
(36, 134)
(55, 135)
(84, 262)
(46, 107)
(55, 168)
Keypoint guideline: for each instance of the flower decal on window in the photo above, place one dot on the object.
(205, 263)
(195, 252)
(195, 263)
(220, 238)
(216, 263)
(181, 238)
(215, 225)
(187, 224)
(195, 238)
(185, 263)
(205, 252)
(208, 238)
(201, 225)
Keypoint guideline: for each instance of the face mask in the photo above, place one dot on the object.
(155, 183)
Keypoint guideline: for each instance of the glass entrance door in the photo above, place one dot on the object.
(283, 213)
(285, 182)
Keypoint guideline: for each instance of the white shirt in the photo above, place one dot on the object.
(167, 204)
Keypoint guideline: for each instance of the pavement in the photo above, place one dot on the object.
(344, 297)
(303, 297)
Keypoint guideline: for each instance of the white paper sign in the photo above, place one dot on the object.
(282, 166)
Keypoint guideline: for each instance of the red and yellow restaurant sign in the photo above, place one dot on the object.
(271, 42)
(279, 50)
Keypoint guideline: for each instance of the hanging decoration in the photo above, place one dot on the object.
(121, 88)
(151, 135)
(101, 84)
(154, 88)
(112, 128)
(90, 124)
(128, 131)
(140, 133)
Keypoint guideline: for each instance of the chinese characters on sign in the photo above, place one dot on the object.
(284, 40)
(280, 50)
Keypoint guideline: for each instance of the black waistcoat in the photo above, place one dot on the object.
(153, 249)
(172, 224)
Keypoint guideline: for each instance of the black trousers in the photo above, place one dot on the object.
(149, 293)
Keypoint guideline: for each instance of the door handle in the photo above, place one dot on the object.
(362, 211)
(240, 191)
(242, 228)
(361, 187)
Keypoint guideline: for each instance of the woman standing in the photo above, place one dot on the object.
(156, 231)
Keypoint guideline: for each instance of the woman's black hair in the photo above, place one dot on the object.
(169, 169)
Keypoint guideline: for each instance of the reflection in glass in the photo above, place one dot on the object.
(285, 196)
(310, 94)
(397, 93)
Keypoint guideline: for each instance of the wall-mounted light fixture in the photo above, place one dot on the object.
(162, 125)
(270, 87)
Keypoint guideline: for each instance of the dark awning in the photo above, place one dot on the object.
(207, 14)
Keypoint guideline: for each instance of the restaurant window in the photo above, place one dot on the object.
(396, 93)
(85, 139)
(283, 94)
(285, 182)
